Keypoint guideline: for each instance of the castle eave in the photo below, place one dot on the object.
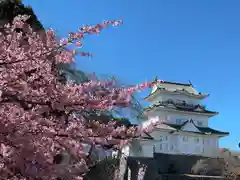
(180, 108)
(177, 92)
(202, 130)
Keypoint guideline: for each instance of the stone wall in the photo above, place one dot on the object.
(186, 177)
(161, 164)
(176, 163)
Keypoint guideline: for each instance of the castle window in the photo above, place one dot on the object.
(185, 138)
(197, 140)
(160, 147)
(163, 138)
(166, 147)
(179, 121)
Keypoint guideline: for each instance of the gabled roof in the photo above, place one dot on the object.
(175, 88)
(190, 126)
(184, 107)
(202, 130)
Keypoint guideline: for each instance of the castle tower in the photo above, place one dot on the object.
(185, 127)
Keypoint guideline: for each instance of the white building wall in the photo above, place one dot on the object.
(190, 145)
(177, 117)
(141, 148)
(147, 150)
(173, 87)
(211, 145)
(176, 98)
(184, 143)
(166, 143)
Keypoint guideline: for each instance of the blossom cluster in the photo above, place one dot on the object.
(38, 119)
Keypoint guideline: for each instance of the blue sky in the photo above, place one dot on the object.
(174, 40)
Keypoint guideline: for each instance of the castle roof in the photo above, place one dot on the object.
(176, 83)
(175, 88)
(202, 130)
(177, 91)
(184, 107)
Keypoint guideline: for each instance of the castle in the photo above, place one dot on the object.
(185, 129)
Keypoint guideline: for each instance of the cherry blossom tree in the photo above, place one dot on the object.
(134, 108)
(42, 119)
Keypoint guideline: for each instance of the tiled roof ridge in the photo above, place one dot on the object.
(178, 91)
(171, 82)
(177, 83)
(201, 129)
(184, 107)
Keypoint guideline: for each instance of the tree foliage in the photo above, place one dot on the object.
(104, 169)
(227, 166)
(209, 167)
(12, 8)
(42, 118)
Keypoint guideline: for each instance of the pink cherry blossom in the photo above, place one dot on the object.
(39, 116)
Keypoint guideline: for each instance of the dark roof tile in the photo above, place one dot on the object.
(181, 107)
(203, 130)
